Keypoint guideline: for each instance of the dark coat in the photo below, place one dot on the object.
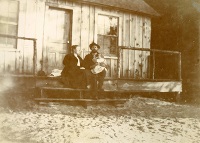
(70, 62)
(88, 61)
(92, 78)
(75, 76)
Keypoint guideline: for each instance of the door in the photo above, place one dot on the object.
(57, 37)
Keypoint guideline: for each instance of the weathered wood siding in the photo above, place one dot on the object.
(30, 25)
(133, 31)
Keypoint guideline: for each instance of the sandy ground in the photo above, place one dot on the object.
(139, 120)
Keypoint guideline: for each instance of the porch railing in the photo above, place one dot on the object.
(17, 52)
(160, 64)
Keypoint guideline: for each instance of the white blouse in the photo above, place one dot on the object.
(78, 63)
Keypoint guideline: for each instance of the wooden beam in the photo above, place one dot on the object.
(15, 37)
(151, 50)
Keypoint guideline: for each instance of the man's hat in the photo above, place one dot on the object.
(94, 44)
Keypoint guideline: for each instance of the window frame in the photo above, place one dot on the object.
(13, 24)
(114, 13)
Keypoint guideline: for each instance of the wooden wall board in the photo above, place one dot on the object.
(126, 42)
(137, 53)
(132, 44)
(85, 20)
(91, 26)
(76, 26)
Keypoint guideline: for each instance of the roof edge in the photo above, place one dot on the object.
(156, 14)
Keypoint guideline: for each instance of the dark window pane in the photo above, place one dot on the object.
(107, 25)
(11, 43)
(12, 30)
(7, 42)
(3, 17)
(108, 44)
(113, 45)
(3, 41)
(100, 42)
(3, 28)
(12, 17)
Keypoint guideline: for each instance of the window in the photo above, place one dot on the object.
(8, 23)
(107, 34)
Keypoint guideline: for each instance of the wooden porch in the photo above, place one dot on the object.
(50, 88)
(143, 75)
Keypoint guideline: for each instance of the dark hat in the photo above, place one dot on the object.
(94, 44)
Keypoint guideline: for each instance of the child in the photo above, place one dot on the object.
(99, 62)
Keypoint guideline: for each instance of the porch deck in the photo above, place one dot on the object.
(121, 84)
(115, 89)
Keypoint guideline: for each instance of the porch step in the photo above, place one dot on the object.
(57, 93)
(63, 89)
(83, 100)
(89, 90)
(62, 92)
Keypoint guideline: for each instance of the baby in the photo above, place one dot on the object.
(99, 62)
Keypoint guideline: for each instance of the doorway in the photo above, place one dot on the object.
(57, 37)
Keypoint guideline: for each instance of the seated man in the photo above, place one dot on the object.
(90, 62)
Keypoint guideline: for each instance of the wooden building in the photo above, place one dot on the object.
(35, 35)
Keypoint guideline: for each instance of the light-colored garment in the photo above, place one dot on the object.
(97, 69)
(78, 63)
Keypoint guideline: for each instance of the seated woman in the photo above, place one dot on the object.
(73, 72)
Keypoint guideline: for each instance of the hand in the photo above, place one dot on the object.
(94, 60)
(103, 64)
(93, 65)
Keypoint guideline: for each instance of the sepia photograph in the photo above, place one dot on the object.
(99, 71)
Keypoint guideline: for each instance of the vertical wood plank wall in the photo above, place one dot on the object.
(134, 31)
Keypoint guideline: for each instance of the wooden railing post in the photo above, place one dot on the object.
(153, 74)
(119, 62)
(179, 66)
(34, 57)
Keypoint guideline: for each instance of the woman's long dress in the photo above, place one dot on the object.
(73, 75)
